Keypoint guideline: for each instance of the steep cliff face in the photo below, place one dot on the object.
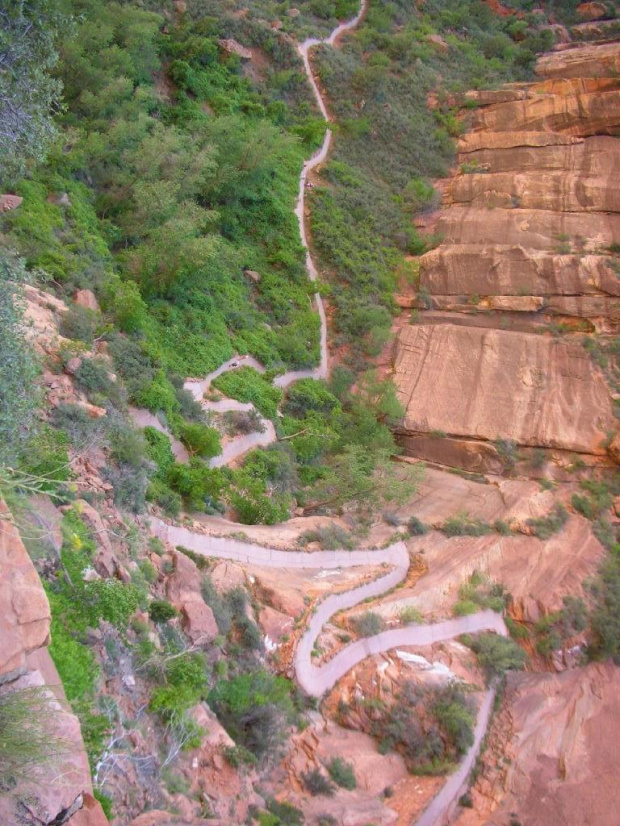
(552, 753)
(58, 791)
(530, 232)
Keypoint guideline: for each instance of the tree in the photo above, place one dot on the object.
(18, 368)
(28, 94)
(201, 440)
(357, 476)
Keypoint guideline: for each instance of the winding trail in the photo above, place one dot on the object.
(316, 680)
(241, 445)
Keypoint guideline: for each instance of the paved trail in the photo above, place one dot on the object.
(316, 680)
(243, 444)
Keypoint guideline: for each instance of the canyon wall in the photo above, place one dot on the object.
(58, 790)
(527, 265)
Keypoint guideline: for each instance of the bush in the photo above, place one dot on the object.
(27, 741)
(79, 324)
(247, 385)
(545, 526)
(92, 377)
(160, 610)
(317, 783)
(255, 708)
(201, 440)
(221, 610)
(463, 525)
(429, 726)
(496, 654)
(368, 624)
(342, 773)
(330, 538)
(416, 527)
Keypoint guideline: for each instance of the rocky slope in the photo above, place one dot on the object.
(58, 791)
(529, 236)
(552, 752)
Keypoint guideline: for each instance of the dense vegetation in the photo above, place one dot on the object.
(390, 144)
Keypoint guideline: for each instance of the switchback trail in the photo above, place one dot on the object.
(316, 680)
(241, 445)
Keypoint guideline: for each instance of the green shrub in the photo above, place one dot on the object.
(247, 385)
(201, 440)
(255, 709)
(342, 773)
(18, 367)
(464, 525)
(160, 610)
(545, 526)
(28, 740)
(78, 323)
(416, 527)
(238, 756)
(92, 377)
(317, 784)
(368, 624)
(496, 654)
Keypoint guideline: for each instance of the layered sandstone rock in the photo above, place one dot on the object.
(493, 384)
(55, 791)
(24, 609)
(553, 749)
(530, 235)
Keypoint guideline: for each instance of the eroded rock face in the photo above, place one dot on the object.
(494, 384)
(24, 609)
(553, 751)
(60, 788)
(530, 233)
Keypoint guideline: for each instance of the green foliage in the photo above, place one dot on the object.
(317, 784)
(368, 624)
(416, 527)
(255, 709)
(28, 94)
(464, 525)
(480, 593)
(247, 385)
(79, 324)
(342, 773)
(496, 654)
(201, 440)
(239, 756)
(160, 610)
(553, 630)
(306, 395)
(27, 739)
(18, 370)
(430, 727)
(330, 538)
(605, 614)
(545, 526)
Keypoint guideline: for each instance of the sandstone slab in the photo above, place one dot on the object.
(502, 270)
(492, 384)
(551, 752)
(24, 609)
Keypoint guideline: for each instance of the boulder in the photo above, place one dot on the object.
(592, 11)
(9, 202)
(491, 384)
(24, 609)
(86, 298)
(549, 751)
(183, 591)
(90, 814)
(198, 620)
